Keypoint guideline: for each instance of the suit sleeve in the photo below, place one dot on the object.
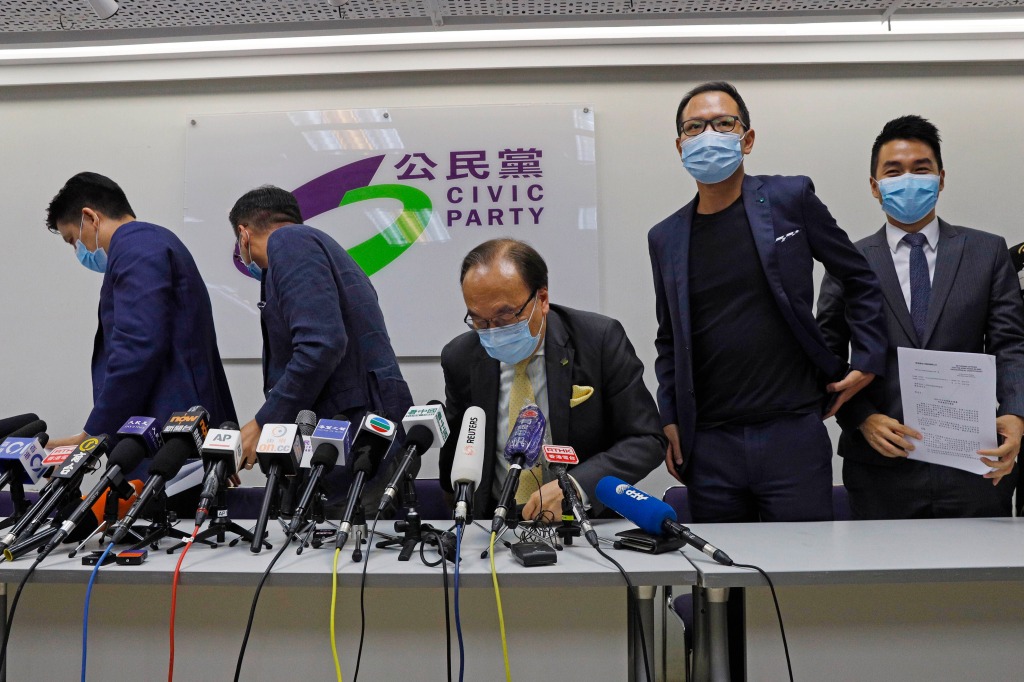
(636, 443)
(304, 283)
(456, 400)
(664, 344)
(835, 328)
(1004, 333)
(143, 302)
(862, 294)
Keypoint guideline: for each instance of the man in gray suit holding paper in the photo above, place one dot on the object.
(946, 288)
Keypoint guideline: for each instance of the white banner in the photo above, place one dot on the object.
(408, 192)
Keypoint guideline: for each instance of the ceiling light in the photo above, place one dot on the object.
(104, 9)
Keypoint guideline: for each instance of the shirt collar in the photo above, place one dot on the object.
(894, 235)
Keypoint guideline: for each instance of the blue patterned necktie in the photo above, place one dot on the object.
(920, 282)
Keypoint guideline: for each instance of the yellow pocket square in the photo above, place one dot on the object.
(580, 394)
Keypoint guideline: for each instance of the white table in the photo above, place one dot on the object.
(563, 621)
(907, 600)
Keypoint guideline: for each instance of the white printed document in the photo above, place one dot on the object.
(950, 398)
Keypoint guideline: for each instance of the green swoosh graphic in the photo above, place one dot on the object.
(380, 250)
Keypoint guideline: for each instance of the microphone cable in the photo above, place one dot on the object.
(85, 611)
(334, 602)
(632, 600)
(14, 607)
(778, 613)
(458, 620)
(501, 616)
(174, 599)
(255, 600)
(447, 617)
(362, 593)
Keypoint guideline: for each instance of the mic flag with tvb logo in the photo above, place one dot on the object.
(408, 192)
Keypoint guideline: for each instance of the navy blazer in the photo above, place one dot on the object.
(792, 228)
(615, 432)
(974, 307)
(325, 346)
(156, 348)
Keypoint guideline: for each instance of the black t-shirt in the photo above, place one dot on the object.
(747, 365)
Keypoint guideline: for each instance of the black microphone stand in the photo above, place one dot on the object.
(317, 515)
(570, 527)
(220, 525)
(413, 530)
(110, 514)
(18, 501)
(161, 526)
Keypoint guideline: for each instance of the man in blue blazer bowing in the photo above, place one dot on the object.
(325, 346)
(744, 375)
(155, 351)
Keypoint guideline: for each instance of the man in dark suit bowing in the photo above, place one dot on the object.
(578, 367)
(325, 345)
(946, 288)
(744, 375)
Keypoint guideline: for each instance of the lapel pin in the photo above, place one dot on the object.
(565, 361)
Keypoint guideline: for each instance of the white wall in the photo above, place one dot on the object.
(813, 119)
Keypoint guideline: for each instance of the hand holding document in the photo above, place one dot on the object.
(950, 398)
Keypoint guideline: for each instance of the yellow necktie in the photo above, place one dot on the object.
(519, 397)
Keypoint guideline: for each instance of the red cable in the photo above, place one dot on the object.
(174, 600)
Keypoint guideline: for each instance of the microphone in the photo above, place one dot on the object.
(651, 515)
(521, 450)
(65, 477)
(372, 442)
(279, 451)
(559, 457)
(22, 453)
(121, 461)
(330, 441)
(183, 436)
(425, 426)
(9, 425)
(468, 462)
(221, 453)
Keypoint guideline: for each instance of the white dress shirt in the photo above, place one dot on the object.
(901, 253)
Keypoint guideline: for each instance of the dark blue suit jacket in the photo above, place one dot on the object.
(325, 347)
(792, 228)
(156, 348)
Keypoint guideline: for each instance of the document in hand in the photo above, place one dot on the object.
(950, 398)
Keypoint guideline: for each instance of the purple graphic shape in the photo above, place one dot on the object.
(324, 193)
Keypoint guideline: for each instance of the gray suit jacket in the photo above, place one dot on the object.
(975, 307)
(615, 433)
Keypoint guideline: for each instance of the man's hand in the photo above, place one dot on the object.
(551, 493)
(69, 440)
(674, 453)
(854, 381)
(886, 435)
(250, 435)
(1011, 428)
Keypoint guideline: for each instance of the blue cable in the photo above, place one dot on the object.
(458, 621)
(85, 614)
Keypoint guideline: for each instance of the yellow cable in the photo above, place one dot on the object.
(501, 616)
(334, 601)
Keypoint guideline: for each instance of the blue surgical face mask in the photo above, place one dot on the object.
(255, 271)
(711, 157)
(94, 260)
(909, 197)
(511, 344)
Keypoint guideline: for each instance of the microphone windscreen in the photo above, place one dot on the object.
(229, 426)
(326, 455)
(419, 436)
(527, 436)
(9, 425)
(648, 513)
(128, 454)
(468, 461)
(306, 421)
(169, 459)
(27, 429)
